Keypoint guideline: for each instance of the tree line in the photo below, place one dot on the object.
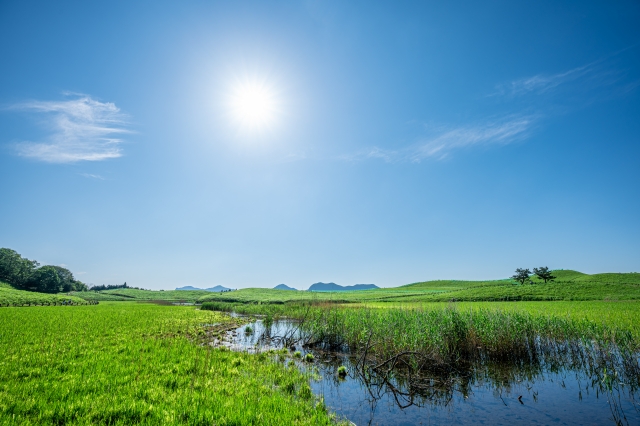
(522, 275)
(113, 287)
(25, 274)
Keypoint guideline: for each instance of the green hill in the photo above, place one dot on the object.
(132, 294)
(569, 285)
(9, 296)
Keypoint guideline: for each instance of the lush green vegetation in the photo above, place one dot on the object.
(130, 363)
(132, 294)
(569, 285)
(25, 274)
(12, 297)
(624, 315)
(466, 339)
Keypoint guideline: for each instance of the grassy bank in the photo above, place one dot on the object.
(12, 297)
(132, 294)
(129, 363)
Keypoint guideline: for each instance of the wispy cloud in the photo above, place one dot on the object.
(443, 143)
(541, 83)
(81, 129)
(91, 176)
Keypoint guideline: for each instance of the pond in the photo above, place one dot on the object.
(506, 394)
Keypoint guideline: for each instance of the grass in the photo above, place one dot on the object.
(131, 294)
(623, 315)
(597, 336)
(129, 363)
(12, 297)
(570, 285)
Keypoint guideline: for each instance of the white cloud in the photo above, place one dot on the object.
(441, 145)
(501, 132)
(541, 83)
(92, 176)
(81, 129)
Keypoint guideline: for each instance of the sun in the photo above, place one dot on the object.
(253, 105)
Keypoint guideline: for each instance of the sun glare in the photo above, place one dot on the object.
(253, 106)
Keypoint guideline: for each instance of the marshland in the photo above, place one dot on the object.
(367, 357)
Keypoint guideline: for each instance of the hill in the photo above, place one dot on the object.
(12, 297)
(131, 294)
(336, 287)
(284, 287)
(190, 288)
(569, 285)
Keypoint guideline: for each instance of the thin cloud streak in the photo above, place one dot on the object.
(81, 129)
(91, 176)
(500, 132)
(440, 146)
(541, 83)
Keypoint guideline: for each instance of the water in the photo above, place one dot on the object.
(518, 396)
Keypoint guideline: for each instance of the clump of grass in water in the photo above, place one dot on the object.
(308, 357)
(342, 371)
(248, 329)
(268, 321)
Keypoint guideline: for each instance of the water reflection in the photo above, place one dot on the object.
(571, 388)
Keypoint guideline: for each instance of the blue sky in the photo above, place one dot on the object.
(404, 141)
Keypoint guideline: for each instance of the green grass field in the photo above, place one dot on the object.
(570, 285)
(12, 297)
(131, 363)
(131, 294)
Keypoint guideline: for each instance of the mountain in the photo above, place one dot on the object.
(336, 287)
(284, 287)
(217, 288)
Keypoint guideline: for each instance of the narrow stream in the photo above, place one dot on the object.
(521, 396)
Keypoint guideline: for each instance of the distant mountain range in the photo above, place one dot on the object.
(284, 287)
(217, 288)
(336, 287)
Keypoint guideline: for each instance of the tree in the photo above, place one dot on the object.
(45, 280)
(521, 275)
(544, 274)
(15, 269)
(69, 283)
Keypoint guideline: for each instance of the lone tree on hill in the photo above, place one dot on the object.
(521, 275)
(544, 274)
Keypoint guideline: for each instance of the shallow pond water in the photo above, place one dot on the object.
(560, 397)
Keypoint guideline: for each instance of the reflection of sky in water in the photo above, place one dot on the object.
(551, 399)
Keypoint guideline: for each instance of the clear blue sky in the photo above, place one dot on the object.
(393, 142)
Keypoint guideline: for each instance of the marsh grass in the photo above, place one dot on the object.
(127, 363)
(462, 340)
